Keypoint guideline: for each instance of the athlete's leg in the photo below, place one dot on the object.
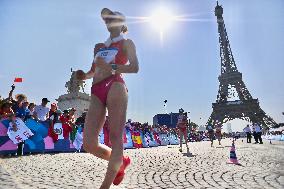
(185, 138)
(180, 139)
(211, 135)
(117, 106)
(93, 125)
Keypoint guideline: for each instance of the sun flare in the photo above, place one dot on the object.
(161, 19)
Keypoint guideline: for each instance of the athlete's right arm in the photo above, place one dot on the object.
(81, 75)
(90, 74)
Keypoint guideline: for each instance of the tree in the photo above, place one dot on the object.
(192, 125)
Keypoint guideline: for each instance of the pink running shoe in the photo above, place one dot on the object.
(120, 175)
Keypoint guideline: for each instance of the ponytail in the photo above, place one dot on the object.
(124, 29)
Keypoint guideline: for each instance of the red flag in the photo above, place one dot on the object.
(18, 79)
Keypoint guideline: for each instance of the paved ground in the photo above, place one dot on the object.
(160, 167)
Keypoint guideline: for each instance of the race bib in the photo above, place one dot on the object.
(108, 54)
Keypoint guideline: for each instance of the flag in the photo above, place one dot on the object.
(136, 138)
(157, 138)
(18, 80)
(22, 133)
(78, 141)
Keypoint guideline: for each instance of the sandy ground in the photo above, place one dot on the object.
(159, 167)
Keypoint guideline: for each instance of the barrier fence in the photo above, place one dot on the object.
(43, 140)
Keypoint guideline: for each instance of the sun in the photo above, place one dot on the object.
(161, 19)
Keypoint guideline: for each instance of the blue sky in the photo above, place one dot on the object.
(41, 40)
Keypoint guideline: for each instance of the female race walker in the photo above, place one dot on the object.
(182, 125)
(109, 92)
(218, 133)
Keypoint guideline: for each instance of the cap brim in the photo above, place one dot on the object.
(105, 13)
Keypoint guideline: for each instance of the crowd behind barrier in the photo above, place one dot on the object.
(26, 128)
(29, 128)
(43, 140)
(46, 137)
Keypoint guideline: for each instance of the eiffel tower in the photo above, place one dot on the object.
(231, 84)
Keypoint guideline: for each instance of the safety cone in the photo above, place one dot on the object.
(233, 157)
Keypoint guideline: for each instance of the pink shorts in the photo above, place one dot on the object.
(102, 88)
(183, 130)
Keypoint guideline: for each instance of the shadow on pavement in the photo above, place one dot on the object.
(188, 154)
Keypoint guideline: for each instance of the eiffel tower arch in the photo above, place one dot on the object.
(231, 85)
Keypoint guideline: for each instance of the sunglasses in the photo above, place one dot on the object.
(109, 20)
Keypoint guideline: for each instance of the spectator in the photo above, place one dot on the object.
(52, 110)
(6, 105)
(26, 110)
(55, 118)
(72, 121)
(65, 120)
(41, 111)
(10, 98)
(31, 109)
(6, 110)
(20, 112)
(72, 116)
(247, 130)
(81, 120)
(18, 106)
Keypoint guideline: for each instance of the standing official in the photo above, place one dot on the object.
(258, 131)
(247, 130)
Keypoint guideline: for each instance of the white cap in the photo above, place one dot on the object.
(107, 13)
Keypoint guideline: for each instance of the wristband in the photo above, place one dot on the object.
(113, 68)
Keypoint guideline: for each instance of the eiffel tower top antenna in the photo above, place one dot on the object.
(227, 59)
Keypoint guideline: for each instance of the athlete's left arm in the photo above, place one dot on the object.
(130, 50)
